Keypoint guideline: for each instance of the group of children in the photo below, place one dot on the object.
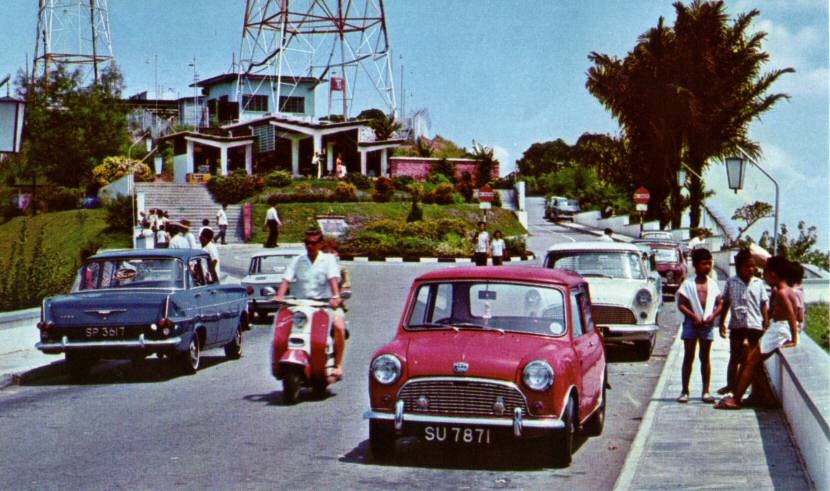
(759, 323)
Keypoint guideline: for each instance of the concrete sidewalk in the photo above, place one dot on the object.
(683, 446)
(19, 359)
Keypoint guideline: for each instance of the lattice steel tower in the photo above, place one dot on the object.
(73, 32)
(343, 41)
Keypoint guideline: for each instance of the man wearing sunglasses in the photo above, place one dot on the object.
(316, 276)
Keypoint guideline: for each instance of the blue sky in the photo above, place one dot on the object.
(506, 73)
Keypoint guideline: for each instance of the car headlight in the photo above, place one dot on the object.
(298, 320)
(643, 298)
(538, 375)
(386, 369)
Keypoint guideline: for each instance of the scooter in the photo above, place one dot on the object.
(302, 352)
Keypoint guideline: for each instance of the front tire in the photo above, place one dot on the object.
(191, 359)
(381, 440)
(291, 385)
(646, 347)
(563, 440)
(233, 350)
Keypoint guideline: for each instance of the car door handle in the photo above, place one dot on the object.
(213, 292)
(197, 295)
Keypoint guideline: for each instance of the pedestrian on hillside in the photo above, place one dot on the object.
(497, 248)
(206, 239)
(606, 236)
(222, 221)
(191, 239)
(698, 300)
(481, 239)
(745, 298)
(179, 237)
(272, 223)
(782, 333)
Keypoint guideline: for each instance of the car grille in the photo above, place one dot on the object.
(462, 396)
(607, 314)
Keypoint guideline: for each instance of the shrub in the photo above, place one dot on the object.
(384, 189)
(403, 182)
(416, 213)
(359, 180)
(441, 195)
(115, 167)
(278, 179)
(120, 214)
(465, 188)
(60, 198)
(234, 187)
(443, 167)
(344, 192)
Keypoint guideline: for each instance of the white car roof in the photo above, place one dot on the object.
(288, 251)
(594, 246)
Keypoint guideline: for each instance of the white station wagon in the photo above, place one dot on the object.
(264, 276)
(626, 302)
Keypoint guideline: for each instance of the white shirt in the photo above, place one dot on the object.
(191, 241)
(605, 238)
(213, 252)
(311, 280)
(482, 241)
(688, 289)
(497, 247)
(221, 217)
(272, 215)
(697, 243)
(179, 241)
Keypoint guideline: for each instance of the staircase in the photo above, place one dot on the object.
(192, 202)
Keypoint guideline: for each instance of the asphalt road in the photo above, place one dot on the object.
(146, 426)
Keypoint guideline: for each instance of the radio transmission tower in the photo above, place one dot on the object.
(73, 32)
(342, 41)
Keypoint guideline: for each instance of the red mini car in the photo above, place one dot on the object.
(489, 354)
(671, 264)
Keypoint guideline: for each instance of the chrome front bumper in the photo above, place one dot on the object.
(628, 332)
(141, 343)
(517, 422)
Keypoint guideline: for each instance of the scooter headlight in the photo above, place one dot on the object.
(386, 369)
(299, 320)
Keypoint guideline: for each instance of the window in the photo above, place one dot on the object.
(576, 309)
(258, 103)
(291, 104)
(199, 271)
(129, 273)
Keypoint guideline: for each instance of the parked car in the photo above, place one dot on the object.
(265, 273)
(559, 208)
(647, 253)
(626, 301)
(671, 264)
(658, 235)
(134, 303)
(483, 356)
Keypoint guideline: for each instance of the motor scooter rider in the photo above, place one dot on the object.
(316, 276)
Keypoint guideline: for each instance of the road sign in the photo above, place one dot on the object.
(485, 205)
(486, 193)
(641, 207)
(641, 195)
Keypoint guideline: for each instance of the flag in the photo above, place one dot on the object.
(338, 83)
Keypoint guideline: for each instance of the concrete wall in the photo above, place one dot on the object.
(418, 167)
(180, 168)
(118, 187)
(799, 378)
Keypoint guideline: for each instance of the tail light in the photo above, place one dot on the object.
(45, 326)
(250, 290)
(165, 326)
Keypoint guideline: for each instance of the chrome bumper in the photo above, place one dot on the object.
(66, 345)
(517, 422)
(629, 332)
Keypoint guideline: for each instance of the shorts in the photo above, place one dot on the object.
(775, 336)
(751, 336)
(691, 332)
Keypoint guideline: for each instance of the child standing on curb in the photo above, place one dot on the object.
(745, 298)
(698, 299)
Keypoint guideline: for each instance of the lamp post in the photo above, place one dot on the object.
(735, 171)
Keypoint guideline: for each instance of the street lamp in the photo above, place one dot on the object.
(735, 170)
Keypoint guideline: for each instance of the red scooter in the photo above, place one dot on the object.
(302, 353)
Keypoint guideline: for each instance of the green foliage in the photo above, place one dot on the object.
(359, 180)
(817, 324)
(799, 248)
(416, 213)
(402, 182)
(120, 214)
(115, 167)
(583, 185)
(383, 191)
(278, 179)
(441, 195)
(486, 163)
(545, 157)
(384, 126)
(60, 198)
(750, 214)
(465, 187)
(442, 168)
(86, 124)
(345, 192)
(234, 187)
(420, 238)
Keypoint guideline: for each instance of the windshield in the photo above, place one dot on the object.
(130, 273)
(603, 264)
(270, 264)
(666, 255)
(488, 305)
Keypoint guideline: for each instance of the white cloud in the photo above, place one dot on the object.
(506, 164)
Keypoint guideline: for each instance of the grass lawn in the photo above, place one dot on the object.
(296, 217)
(817, 324)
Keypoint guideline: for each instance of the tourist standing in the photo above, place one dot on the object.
(206, 239)
(339, 167)
(222, 221)
(497, 248)
(481, 239)
(272, 224)
(179, 239)
(699, 240)
(192, 243)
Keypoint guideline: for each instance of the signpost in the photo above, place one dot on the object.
(641, 198)
(485, 198)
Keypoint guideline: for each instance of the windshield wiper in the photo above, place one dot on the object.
(596, 275)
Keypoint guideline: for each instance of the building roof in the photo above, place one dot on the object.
(298, 122)
(206, 136)
(501, 273)
(232, 77)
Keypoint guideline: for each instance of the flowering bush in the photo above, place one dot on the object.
(345, 192)
(234, 187)
(278, 179)
(115, 167)
(384, 189)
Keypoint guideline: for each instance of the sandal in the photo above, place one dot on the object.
(724, 390)
(707, 398)
(727, 403)
(684, 398)
(337, 373)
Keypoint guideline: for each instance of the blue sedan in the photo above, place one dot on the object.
(134, 303)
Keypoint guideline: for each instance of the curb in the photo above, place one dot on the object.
(635, 453)
(22, 378)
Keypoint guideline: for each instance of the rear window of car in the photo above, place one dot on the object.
(515, 307)
(666, 255)
(602, 264)
(130, 273)
(270, 264)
